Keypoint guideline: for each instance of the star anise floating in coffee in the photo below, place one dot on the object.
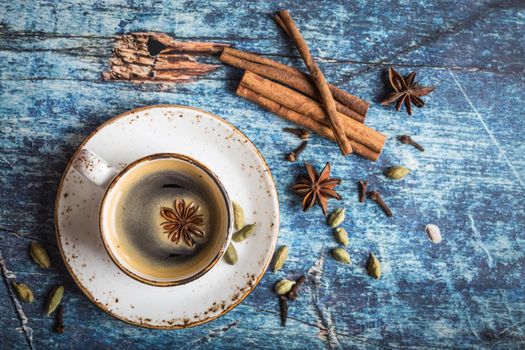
(182, 221)
(406, 91)
(317, 188)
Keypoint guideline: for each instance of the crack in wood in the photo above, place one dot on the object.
(77, 52)
(327, 328)
(454, 29)
(22, 318)
(322, 328)
(116, 36)
(27, 236)
(214, 333)
(496, 143)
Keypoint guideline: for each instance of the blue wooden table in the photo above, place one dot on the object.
(467, 292)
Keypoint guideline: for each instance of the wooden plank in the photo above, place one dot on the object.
(364, 32)
(466, 292)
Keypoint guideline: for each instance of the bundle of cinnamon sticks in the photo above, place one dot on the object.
(307, 100)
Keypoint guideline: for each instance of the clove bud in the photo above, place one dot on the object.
(292, 294)
(283, 307)
(59, 326)
(301, 133)
(376, 197)
(293, 155)
(363, 184)
(406, 139)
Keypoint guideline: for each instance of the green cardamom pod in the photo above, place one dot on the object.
(374, 267)
(55, 297)
(283, 287)
(230, 256)
(243, 233)
(341, 236)
(238, 216)
(341, 255)
(24, 292)
(396, 172)
(337, 217)
(280, 258)
(39, 255)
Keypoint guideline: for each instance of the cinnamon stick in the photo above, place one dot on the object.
(320, 82)
(354, 103)
(252, 57)
(292, 78)
(281, 24)
(302, 120)
(308, 107)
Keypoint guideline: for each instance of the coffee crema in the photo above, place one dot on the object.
(141, 212)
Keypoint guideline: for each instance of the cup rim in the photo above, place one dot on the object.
(224, 194)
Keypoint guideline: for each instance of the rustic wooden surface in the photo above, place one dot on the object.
(466, 292)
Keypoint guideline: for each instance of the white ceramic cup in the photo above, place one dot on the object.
(104, 175)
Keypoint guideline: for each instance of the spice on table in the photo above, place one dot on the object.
(406, 91)
(293, 155)
(347, 104)
(238, 216)
(283, 286)
(59, 325)
(406, 139)
(433, 233)
(281, 254)
(341, 236)
(317, 188)
(396, 172)
(287, 290)
(230, 255)
(283, 308)
(337, 217)
(290, 94)
(319, 80)
(341, 255)
(39, 255)
(376, 197)
(23, 292)
(374, 267)
(54, 299)
(294, 292)
(301, 133)
(363, 184)
(291, 106)
(294, 106)
(243, 233)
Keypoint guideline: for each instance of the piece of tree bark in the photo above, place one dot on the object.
(151, 57)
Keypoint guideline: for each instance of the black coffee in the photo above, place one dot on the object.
(167, 219)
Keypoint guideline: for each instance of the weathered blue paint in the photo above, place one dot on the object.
(464, 293)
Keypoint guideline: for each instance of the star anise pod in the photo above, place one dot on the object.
(182, 221)
(317, 188)
(406, 90)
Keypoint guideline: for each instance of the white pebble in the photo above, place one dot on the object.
(434, 233)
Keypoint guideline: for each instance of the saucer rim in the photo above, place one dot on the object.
(87, 292)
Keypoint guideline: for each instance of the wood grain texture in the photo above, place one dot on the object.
(466, 292)
(156, 57)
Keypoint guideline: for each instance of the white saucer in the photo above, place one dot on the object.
(239, 166)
